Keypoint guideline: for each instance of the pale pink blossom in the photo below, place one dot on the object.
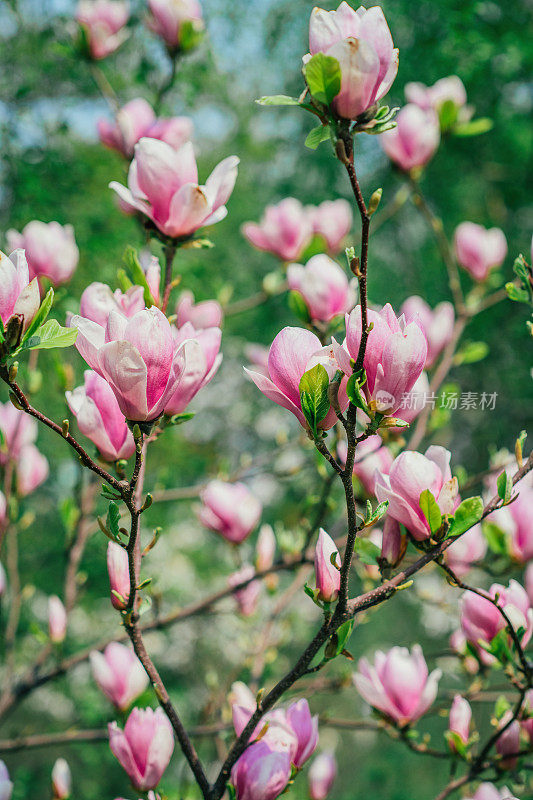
(18, 428)
(119, 674)
(488, 791)
(437, 324)
(293, 352)
(61, 780)
(529, 583)
(446, 90)
(57, 620)
(257, 355)
(119, 575)
(305, 727)
(144, 747)
(32, 470)
(261, 773)
(205, 314)
(98, 301)
(410, 474)
(415, 138)
(415, 399)
(398, 683)
(395, 355)
(100, 419)
(168, 17)
(285, 230)
(138, 357)
(6, 786)
(481, 621)
(479, 249)
(459, 719)
(333, 220)
(137, 119)
(230, 509)
(103, 22)
(246, 597)
(202, 364)
(370, 455)
(322, 774)
(324, 287)
(362, 44)
(391, 541)
(508, 743)
(163, 186)
(327, 574)
(50, 248)
(466, 551)
(18, 295)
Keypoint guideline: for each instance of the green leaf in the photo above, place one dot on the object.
(190, 35)
(41, 314)
(516, 293)
(179, 419)
(471, 352)
(448, 115)
(501, 707)
(343, 634)
(367, 551)
(318, 135)
(430, 510)
(298, 307)
(504, 483)
(314, 398)
(353, 390)
(467, 514)
(48, 336)
(277, 100)
(456, 743)
(133, 264)
(381, 127)
(113, 520)
(474, 128)
(323, 77)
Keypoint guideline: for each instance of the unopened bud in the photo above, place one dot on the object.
(15, 401)
(13, 370)
(65, 425)
(374, 202)
(14, 331)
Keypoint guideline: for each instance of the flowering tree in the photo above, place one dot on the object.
(367, 386)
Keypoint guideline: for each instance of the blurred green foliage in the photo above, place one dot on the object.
(54, 169)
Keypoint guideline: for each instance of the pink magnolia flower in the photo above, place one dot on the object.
(19, 429)
(293, 352)
(436, 323)
(265, 548)
(391, 542)
(362, 44)
(61, 780)
(51, 250)
(481, 621)
(6, 786)
(144, 747)
(415, 138)
(32, 470)
(163, 186)
(479, 249)
(332, 220)
(119, 574)
(394, 357)
(469, 548)
(279, 734)
(446, 90)
(138, 357)
(460, 719)
(415, 399)
(152, 272)
(203, 361)
(257, 355)
(521, 532)
(305, 727)
(57, 620)
(18, 295)
(508, 743)
(137, 119)
(241, 695)
(119, 674)
(322, 774)
(327, 575)
(410, 474)
(324, 287)
(168, 18)
(529, 583)
(229, 509)
(103, 22)
(370, 456)
(398, 684)
(285, 230)
(261, 773)
(96, 410)
(98, 301)
(248, 596)
(487, 791)
(206, 314)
